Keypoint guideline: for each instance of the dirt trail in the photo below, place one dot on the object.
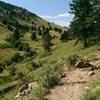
(73, 85)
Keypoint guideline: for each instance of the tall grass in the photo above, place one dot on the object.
(5, 45)
(94, 92)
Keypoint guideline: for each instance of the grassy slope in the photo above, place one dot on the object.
(60, 52)
(22, 16)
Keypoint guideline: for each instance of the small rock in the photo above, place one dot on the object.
(63, 75)
(85, 64)
(91, 73)
(81, 78)
(86, 88)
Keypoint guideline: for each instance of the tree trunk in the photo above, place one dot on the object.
(85, 42)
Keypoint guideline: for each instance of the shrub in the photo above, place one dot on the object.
(34, 36)
(23, 47)
(8, 62)
(34, 65)
(2, 66)
(16, 58)
(5, 79)
(5, 21)
(72, 59)
(38, 93)
(10, 27)
(64, 36)
(10, 39)
(12, 70)
(49, 76)
(94, 92)
(14, 37)
(31, 52)
(22, 77)
(5, 45)
(16, 34)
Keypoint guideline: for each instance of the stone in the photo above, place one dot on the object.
(91, 73)
(85, 64)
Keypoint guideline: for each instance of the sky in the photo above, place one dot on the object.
(56, 11)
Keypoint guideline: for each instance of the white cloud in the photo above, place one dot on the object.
(66, 15)
(62, 19)
(57, 16)
(46, 17)
(62, 23)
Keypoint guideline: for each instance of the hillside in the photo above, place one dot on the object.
(12, 16)
(24, 60)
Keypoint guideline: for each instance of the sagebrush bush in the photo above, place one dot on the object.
(46, 77)
(72, 59)
(38, 93)
(49, 76)
(12, 70)
(33, 65)
(94, 92)
(5, 79)
(23, 47)
(5, 45)
(22, 77)
(16, 58)
(2, 66)
(31, 52)
(8, 62)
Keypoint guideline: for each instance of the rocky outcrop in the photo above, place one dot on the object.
(25, 90)
(85, 64)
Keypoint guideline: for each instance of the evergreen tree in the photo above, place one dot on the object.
(82, 25)
(39, 31)
(34, 36)
(16, 34)
(47, 40)
(64, 36)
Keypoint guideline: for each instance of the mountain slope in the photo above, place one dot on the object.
(17, 17)
(27, 61)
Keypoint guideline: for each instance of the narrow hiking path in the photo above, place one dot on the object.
(73, 85)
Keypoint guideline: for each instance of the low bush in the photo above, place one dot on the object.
(38, 93)
(16, 58)
(10, 39)
(8, 87)
(72, 59)
(94, 92)
(5, 45)
(12, 70)
(23, 46)
(2, 66)
(10, 27)
(5, 79)
(31, 52)
(8, 62)
(46, 77)
(49, 76)
(22, 77)
(33, 65)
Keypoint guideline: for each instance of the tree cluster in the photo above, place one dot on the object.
(86, 23)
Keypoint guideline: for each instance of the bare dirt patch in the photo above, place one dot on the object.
(73, 85)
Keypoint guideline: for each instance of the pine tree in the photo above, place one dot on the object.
(83, 22)
(16, 34)
(34, 36)
(47, 40)
(64, 36)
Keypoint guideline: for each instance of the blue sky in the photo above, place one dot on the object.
(56, 11)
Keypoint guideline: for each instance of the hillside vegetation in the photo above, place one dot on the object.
(34, 50)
